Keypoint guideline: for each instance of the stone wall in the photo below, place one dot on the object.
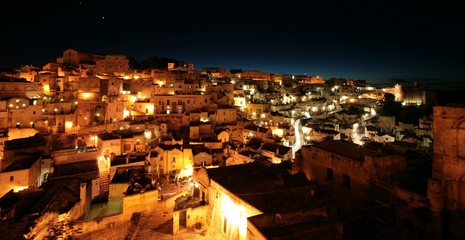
(140, 202)
(119, 223)
(196, 218)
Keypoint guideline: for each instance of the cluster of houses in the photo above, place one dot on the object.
(86, 136)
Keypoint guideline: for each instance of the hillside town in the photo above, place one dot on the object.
(94, 146)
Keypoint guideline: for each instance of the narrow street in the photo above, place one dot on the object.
(158, 224)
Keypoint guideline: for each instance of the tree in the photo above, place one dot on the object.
(133, 63)
(389, 97)
(390, 106)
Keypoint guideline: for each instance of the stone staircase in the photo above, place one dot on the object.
(104, 177)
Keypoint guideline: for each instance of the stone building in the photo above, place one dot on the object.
(350, 173)
(446, 188)
(243, 201)
(74, 57)
(112, 63)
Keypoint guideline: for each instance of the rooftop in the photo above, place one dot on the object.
(268, 188)
(25, 162)
(346, 149)
(85, 170)
(34, 141)
(19, 210)
(312, 227)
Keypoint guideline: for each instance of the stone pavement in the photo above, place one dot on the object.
(158, 224)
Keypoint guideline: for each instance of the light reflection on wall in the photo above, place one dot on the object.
(236, 217)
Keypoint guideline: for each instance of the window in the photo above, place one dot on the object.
(174, 159)
(329, 174)
(206, 100)
(225, 224)
(345, 181)
(127, 147)
(12, 178)
(161, 158)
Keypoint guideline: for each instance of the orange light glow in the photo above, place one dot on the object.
(235, 214)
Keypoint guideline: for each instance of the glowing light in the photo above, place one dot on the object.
(19, 188)
(46, 89)
(69, 124)
(278, 132)
(86, 95)
(235, 215)
(148, 134)
(125, 113)
(150, 109)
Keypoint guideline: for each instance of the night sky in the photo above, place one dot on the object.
(381, 42)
